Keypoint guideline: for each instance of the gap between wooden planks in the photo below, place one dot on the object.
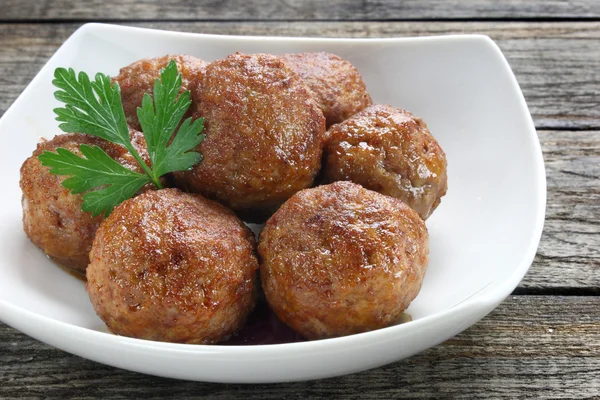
(296, 9)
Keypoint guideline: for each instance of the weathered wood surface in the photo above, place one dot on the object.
(555, 63)
(295, 9)
(530, 347)
(569, 253)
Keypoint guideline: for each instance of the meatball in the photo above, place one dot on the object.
(339, 259)
(172, 266)
(390, 151)
(264, 135)
(138, 79)
(336, 84)
(52, 216)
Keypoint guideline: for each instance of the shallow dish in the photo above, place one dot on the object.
(483, 237)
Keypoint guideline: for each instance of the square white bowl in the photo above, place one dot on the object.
(483, 237)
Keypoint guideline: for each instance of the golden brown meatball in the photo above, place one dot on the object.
(264, 135)
(52, 216)
(138, 79)
(340, 259)
(172, 266)
(336, 84)
(391, 151)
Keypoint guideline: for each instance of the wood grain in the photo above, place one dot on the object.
(569, 251)
(295, 9)
(538, 347)
(545, 347)
(555, 63)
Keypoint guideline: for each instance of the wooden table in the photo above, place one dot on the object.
(542, 342)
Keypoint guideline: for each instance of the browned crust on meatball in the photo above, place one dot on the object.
(172, 266)
(391, 151)
(52, 216)
(138, 79)
(264, 134)
(336, 84)
(340, 259)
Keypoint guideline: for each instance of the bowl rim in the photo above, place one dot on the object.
(484, 302)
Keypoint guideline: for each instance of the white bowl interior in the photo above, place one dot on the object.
(482, 234)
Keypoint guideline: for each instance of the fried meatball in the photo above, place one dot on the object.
(172, 266)
(391, 151)
(339, 259)
(336, 84)
(264, 135)
(138, 79)
(52, 216)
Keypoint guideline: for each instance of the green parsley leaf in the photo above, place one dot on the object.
(177, 157)
(160, 118)
(103, 117)
(97, 169)
(95, 108)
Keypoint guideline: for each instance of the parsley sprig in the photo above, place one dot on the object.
(95, 108)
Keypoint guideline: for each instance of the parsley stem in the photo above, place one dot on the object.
(145, 167)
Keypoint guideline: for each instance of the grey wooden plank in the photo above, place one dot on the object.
(530, 347)
(555, 63)
(296, 9)
(569, 251)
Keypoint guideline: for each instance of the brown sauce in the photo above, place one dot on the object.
(73, 272)
(263, 327)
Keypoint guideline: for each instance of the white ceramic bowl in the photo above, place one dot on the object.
(483, 237)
